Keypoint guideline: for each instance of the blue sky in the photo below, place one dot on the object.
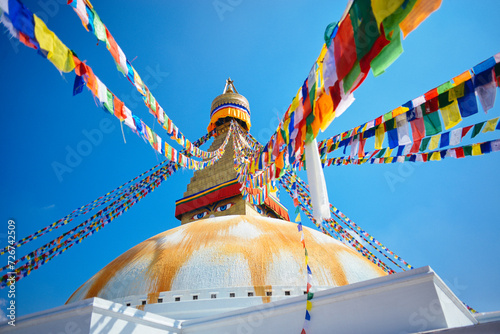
(443, 214)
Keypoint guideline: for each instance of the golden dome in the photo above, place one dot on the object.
(225, 252)
(230, 104)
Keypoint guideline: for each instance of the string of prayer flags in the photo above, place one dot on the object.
(351, 48)
(44, 254)
(111, 103)
(351, 227)
(336, 230)
(355, 227)
(92, 23)
(451, 102)
(118, 192)
(436, 155)
(309, 276)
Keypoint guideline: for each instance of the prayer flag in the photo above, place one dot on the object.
(451, 115)
(490, 125)
(344, 48)
(486, 88)
(379, 136)
(421, 10)
(57, 52)
(477, 129)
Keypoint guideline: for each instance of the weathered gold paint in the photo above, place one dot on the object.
(166, 259)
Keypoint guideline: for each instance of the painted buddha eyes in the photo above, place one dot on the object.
(224, 207)
(205, 213)
(200, 215)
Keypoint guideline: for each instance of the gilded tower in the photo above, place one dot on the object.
(215, 191)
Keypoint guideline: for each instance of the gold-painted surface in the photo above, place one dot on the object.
(230, 98)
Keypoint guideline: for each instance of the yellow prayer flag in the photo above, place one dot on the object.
(297, 219)
(456, 92)
(307, 259)
(420, 11)
(388, 152)
(138, 83)
(490, 125)
(476, 149)
(399, 110)
(383, 8)
(451, 115)
(57, 52)
(295, 101)
(379, 137)
(388, 160)
(436, 156)
(309, 305)
(434, 142)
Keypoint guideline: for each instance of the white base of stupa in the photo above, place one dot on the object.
(414, 301)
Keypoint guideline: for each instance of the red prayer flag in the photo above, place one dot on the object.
(466, 129)
(460, 152)
(431, 94)
(344, 48)
(416, 146)
(417, 129)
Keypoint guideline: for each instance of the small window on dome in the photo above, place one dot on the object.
(287, 293)
(269, 293)
(305, 292)
(177, 299)
(232, 295)
(160, 300)
(195, 297)
(213, 295)
(143, 302)
(128, 304)
(250, 294)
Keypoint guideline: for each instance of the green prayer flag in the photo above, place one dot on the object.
(477, 129)
(390, 124)
(328, 33)
(363, 24)
(432, 124)
(108, 104)
(100, 31)
(424, 143)
(444, 99)
(309, 133)
(351, 77)
(381, 153)
(468, 150)
(389, 53)
(444, 87)
(297, 209)
(310, 295)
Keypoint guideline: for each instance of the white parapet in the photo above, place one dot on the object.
(408, 302)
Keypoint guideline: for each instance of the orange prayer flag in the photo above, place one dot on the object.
(118, 111)
(421, 10)
(462, 78)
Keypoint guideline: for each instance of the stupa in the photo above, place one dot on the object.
(227, 254)
(233, 267)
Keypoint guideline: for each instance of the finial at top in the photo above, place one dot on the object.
(229, 87)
